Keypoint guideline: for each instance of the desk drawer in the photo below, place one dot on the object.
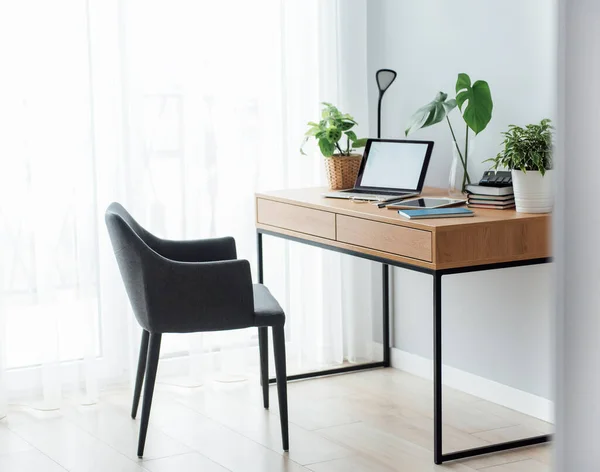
(386, 237)
(296, 218)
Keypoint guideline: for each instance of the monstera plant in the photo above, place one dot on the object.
(474, 100)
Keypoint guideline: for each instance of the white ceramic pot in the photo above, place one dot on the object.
(533, 191)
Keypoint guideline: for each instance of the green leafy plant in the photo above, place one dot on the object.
(528, 148)
(476, 105)
(333, 133)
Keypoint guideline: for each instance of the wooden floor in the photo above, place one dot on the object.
(375, 421)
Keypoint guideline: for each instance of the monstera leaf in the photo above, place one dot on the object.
(478, 111)
(432, 113)
(475, 104)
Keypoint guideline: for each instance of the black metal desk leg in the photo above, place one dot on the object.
(437, 368)
(337, 370)
(385, 276)
(438, 454)
(259, 254)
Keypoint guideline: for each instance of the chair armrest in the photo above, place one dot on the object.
(205, 296)
(201, 250)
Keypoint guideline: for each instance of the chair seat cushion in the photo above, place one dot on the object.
(266, 309)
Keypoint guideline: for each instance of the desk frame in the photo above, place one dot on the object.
(438, 455)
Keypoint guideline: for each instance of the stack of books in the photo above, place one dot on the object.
(495, 198)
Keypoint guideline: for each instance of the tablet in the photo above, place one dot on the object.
(426, 202)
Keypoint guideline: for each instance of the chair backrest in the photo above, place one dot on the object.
(180, 286)
(127, 236)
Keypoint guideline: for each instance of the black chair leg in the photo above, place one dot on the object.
(151, 367)
(263, 347)
(139, 379)
(281, 374)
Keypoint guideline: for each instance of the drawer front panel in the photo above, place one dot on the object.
(296, 218)
(386, 237)
(493, 242)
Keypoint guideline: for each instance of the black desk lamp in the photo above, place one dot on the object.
(384, 77)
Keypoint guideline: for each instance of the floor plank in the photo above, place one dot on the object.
(28, 461)
(392, 451)
(540, 453)
(529, 465)
(217, 442)
(511, 433)
(10, 442)
(115, 427)
(184, 462)
(355, 464)
(68, 445)
(263, 427)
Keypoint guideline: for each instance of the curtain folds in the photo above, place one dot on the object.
(180, 110)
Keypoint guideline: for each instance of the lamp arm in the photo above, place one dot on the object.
(379, 114)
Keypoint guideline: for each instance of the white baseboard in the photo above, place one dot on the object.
(486, 389)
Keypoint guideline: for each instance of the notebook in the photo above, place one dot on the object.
(436, 213)
(493, 207)
(492, 198)
(478, 201)
(483, 190)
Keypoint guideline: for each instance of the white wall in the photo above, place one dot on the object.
(497, 325)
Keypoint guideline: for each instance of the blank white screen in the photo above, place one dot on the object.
(394, 165)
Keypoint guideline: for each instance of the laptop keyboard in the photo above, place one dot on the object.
(372, 192)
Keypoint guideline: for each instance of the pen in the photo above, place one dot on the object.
(387, 202)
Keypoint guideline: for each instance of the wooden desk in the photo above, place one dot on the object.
(491, 236)
(492, 239)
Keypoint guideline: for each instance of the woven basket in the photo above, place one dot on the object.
(342, 171)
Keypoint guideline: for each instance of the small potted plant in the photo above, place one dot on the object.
(528, 154)
(337, 142)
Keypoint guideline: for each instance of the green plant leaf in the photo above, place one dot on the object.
(449, 105)
(359, 143)
(430, 114)
(327, 147)
(478, 111)
(351, 135)
(334, 135)
(463, 82)
(330, 129)
(526, 149)
(304, 141)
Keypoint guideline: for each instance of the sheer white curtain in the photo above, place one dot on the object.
(180, 110)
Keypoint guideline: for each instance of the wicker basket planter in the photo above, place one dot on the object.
(342, 171)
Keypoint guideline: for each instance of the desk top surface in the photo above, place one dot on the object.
(312, 198)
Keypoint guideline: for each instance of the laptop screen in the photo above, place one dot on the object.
(395, 164)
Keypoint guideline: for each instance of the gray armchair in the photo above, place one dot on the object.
(188, 287)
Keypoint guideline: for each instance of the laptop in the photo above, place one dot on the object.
(390, 169)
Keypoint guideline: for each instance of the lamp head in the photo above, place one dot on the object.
(384, 77)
